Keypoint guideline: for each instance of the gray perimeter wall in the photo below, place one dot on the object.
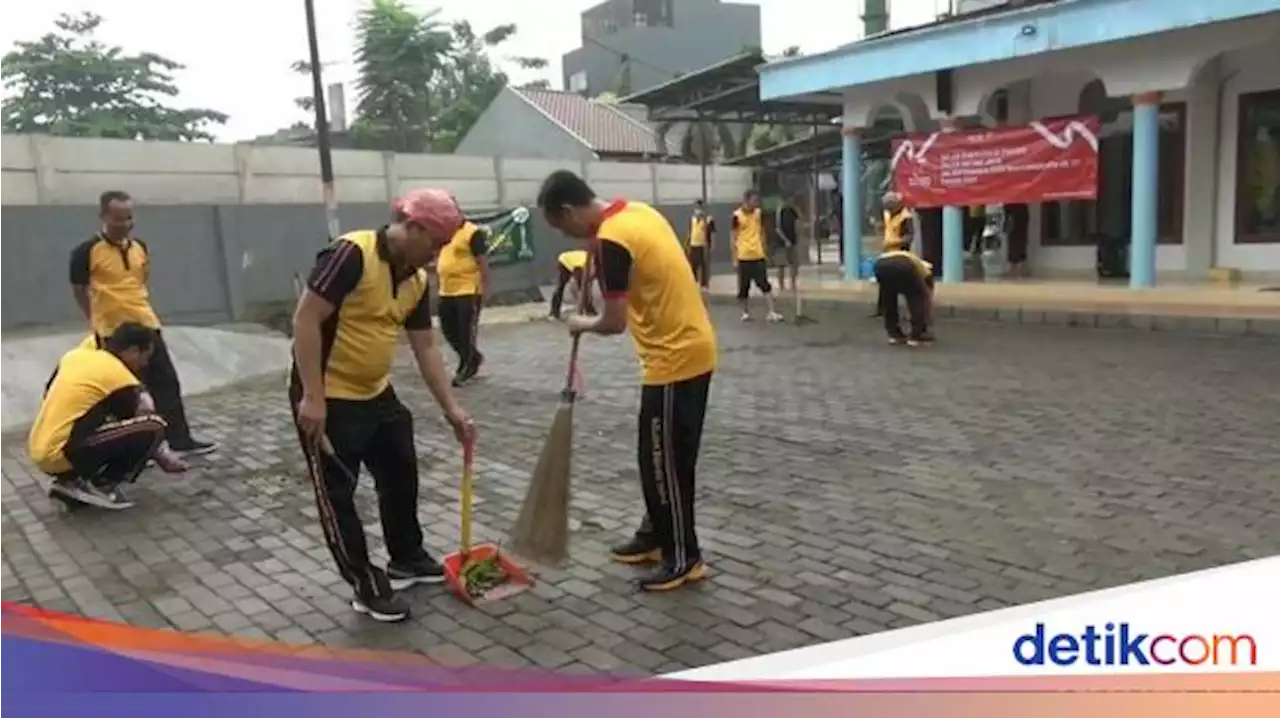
(230, 225)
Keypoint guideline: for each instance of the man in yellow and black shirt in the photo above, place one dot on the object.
(749, 255)
(898, 224)
(647, 287)
(95, 429)
(463, 270)
(109, 275)
(571, 266)
(702, 231)
(900, 272)
(365, 288)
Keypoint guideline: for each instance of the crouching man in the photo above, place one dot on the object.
(97, 428)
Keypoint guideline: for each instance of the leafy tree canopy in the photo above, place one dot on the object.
(422, 82)
(68, 83)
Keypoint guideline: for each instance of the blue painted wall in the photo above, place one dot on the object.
(1057, 26)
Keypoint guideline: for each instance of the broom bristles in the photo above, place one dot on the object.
(541, 533)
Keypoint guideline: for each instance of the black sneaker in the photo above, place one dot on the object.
(403, 576)
(640, 549)
(669, 578)
(457, 381)
(195, 448)
(86, 493)
(474, 369)
(391, 608)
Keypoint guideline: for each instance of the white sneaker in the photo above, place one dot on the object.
(746, 316)
(773, 317)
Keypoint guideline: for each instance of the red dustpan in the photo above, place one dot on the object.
(481, 573)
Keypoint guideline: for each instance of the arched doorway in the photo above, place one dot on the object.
(1086, 223)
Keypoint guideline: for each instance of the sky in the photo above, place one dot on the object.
(237, 52)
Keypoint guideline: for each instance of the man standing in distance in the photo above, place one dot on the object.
(109, 275)
(571, 266)
(646, 285)
(463, 270)
(365, 287)
(702, 230)
(786, 227)
(749, 255)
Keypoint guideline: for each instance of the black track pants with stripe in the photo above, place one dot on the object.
(377, 434)
(460, 324)
(671, 418)
(114, 452)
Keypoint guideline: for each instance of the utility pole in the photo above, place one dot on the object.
(322, 125)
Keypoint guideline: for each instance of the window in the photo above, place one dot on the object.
(1078, 224)
(651, 13)
(578, 82)
(1258, 169)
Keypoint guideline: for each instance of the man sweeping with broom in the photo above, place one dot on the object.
(647, 287)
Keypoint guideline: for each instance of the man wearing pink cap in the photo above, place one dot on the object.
(366, 286)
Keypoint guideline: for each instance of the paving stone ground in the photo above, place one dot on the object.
(845, 487)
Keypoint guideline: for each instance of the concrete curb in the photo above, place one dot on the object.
(1222, 326)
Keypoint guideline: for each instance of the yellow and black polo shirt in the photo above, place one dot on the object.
(458, 264)
(374, 299)
(748, 242)
(573, 260)
(88, 387)
(898, 231)
(116, 274)
(701, 227)
(640, 258)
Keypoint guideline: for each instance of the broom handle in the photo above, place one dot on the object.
(573, 363)
(584, 293)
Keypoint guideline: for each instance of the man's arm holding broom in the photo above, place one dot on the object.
(614, 274)
(422, 339)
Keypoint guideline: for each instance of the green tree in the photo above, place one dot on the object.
(422, 83)
(67, 83)
(470, 81)
(400, 54)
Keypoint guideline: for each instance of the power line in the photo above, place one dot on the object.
(628, 57)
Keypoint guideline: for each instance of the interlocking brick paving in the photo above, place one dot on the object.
(845, 487)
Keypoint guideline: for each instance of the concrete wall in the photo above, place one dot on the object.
(229, 225)
(511, 127)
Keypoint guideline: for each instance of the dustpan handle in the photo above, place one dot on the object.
(468, 457)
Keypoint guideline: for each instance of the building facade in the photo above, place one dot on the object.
(1189, 98)
(632, 45)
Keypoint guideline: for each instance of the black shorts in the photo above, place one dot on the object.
(785, 255)
(753, 271)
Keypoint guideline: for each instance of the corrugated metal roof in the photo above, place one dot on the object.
(602, 127)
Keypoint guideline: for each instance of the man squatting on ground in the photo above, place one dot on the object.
(365, 287)
(749, 255)
(572, 267)
(463, 271)
(702, 232)
(647, 286)
(109, 275)
(900, 272)
(96, 427)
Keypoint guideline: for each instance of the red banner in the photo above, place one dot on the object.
(1046, 161)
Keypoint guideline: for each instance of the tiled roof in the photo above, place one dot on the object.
(602, 127)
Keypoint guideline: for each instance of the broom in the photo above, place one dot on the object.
(541, 532)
